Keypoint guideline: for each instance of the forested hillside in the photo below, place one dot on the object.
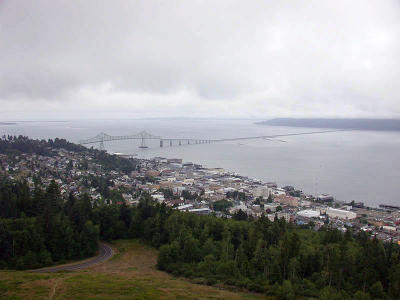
(272, 257)
(39, 227)
(14, 145)
(280, 259)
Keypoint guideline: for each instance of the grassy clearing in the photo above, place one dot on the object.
(130, 274)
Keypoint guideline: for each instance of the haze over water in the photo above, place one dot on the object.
(350, 165)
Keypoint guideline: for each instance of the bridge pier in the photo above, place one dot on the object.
(161, 143)
(143, 144)
(180, 143)
(101, 146)
(170, 143)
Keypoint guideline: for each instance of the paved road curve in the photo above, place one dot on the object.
(105, 252)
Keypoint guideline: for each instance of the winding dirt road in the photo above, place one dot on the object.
(105, 252)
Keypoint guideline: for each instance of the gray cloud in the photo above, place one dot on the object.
(202, 58)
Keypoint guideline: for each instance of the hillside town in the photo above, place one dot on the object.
(191, 187)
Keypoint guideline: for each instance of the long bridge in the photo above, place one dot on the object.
(143, 136)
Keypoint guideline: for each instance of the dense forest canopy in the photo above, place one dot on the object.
(39, 228)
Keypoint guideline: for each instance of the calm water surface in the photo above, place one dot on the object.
(352, 165)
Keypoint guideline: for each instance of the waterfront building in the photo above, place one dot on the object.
(340, 213)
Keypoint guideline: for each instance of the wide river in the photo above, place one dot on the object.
(350, 165)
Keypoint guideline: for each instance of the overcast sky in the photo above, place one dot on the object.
(244, 59)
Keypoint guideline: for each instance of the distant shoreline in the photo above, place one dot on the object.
(353, 124)
(7, 123)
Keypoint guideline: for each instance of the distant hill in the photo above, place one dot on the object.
(358, 124)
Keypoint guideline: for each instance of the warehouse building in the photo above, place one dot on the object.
(340, 214)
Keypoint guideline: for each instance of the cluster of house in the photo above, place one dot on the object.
(68, 169)
(194, 188)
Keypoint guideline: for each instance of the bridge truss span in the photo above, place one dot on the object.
(103, 137)
(143, 136)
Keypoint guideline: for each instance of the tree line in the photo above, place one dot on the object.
(38, 229)
(280, 259)
(22, 144)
